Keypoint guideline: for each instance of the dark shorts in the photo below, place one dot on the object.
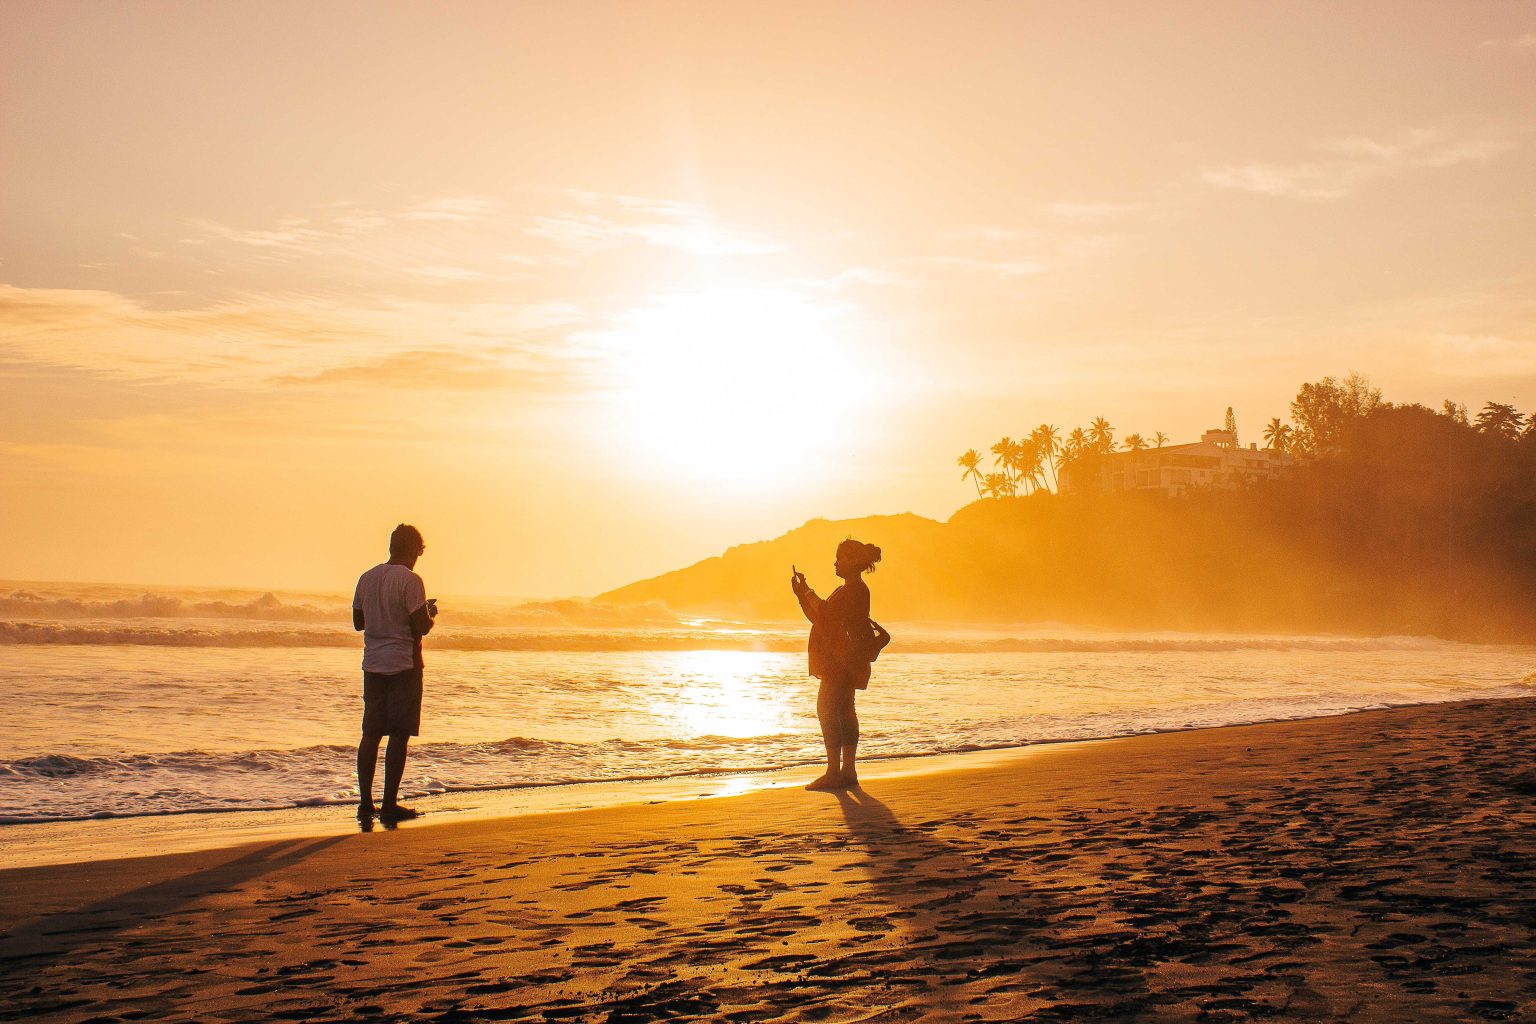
(392, 703)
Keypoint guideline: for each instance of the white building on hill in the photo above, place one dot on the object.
(1213, 461)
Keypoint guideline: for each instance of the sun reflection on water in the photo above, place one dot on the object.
(727, 693)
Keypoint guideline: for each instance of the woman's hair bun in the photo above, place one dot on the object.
(864, 556)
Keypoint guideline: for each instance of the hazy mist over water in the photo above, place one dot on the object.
(121, 703)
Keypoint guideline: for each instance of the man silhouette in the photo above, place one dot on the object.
(391, 610)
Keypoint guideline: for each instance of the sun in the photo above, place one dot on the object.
(747, 386)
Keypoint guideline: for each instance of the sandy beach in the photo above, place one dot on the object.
(1371, 867)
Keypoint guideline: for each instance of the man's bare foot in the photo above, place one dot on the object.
(398, 812)
(365, 810)
(850, 780)
(826, 782)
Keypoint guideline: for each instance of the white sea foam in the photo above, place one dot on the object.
(106, 729)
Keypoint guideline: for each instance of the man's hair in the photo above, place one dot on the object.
(406, 540)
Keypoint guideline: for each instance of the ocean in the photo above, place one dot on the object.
(124, 701)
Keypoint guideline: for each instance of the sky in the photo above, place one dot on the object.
(592, 291)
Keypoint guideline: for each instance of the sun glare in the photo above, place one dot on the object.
(742, 385)
(728, 693)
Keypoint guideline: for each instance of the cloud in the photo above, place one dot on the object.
(457, 209)
(1520, 42)
(341, 225)
(255, 340)
(603, 221)
(296, 237)
(435, 369)
(1343, 165)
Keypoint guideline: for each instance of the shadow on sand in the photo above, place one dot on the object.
(36, 944)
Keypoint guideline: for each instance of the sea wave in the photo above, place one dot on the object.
(64, 787)
(35, 605)
(662, 638)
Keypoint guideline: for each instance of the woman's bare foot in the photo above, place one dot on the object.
(826, 782)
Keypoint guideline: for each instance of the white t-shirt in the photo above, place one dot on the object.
(387, 594)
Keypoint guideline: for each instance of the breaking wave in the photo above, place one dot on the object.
(23, 604)
(671, 636)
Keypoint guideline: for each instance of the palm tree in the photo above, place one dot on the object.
(1028, 462)
(1103, 434)
(1075, 442)
(1002, 452)
(1500, 420)
(1277, 436)
(971, 463)
(1159, 439)
(998, 485)
(1133, 443)
(1048, 439)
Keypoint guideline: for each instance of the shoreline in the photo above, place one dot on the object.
(1371, 867)
(62, 841)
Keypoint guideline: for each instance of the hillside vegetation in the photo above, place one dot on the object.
(1408, 521)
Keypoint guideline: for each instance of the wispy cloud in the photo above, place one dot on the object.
(456, 209)
(602, 221)
(435, 369)
(1343, 165)
(1527, 41)
(259, 339)
(338, 227)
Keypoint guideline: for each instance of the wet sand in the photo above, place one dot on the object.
(1373, 867)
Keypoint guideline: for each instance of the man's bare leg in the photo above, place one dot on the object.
(367, 759)
(394, 770)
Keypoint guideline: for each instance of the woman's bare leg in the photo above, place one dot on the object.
(845, 769)
(827, 715)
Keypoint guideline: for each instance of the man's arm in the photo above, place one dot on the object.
(421, 621)
(357, 619)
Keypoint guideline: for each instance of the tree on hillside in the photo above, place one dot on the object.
(1002, 456)
(1277, 436)
(1159, 439)
(1455, 410)
(1321, 411)
(998, 485)
(1077, 443)
(971, 463)
(1500, 420)
(1048, 439)
(1133, 443)
(1027, 464)
(1102, 434)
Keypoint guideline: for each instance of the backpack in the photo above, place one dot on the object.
(878, 638)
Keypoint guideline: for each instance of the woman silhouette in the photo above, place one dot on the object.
(841, 642)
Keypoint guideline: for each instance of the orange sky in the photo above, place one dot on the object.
(591, 291)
